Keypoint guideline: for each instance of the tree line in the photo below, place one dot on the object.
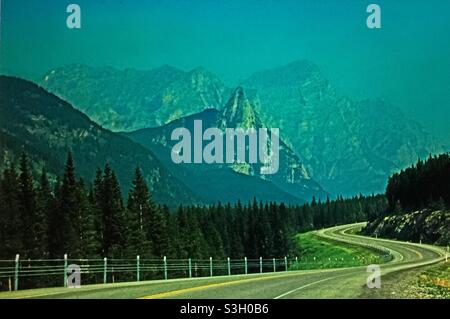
(43, 219)
(425, 184)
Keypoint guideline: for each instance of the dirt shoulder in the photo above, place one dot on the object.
(431, 282)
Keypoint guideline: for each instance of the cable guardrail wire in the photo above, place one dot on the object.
(39, 273)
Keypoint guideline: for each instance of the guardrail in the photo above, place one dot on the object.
(38, 273)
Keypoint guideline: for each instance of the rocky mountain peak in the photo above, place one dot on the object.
(239, 112)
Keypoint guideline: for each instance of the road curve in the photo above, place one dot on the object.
(321, 283)
(333, 283)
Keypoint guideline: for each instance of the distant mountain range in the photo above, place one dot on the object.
(130, 99)
(46, 127)
(347, 146)
(232, 181)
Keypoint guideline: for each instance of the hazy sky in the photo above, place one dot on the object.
(407, 61)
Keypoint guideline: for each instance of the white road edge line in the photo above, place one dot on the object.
(307, 285)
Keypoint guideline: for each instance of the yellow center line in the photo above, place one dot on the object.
(414, 251)
(223, 284)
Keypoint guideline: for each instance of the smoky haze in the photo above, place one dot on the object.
(407, 61)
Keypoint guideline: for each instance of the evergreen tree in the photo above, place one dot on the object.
(158, 229)
(237, 233)
(95, 198)
(264, 229)
(111, 209)
(55, 233)
(95, 223)
(420, 185)
(27, 199)
(67, 232)
(169, 228)
(171, 241)
(192, 241)
(88, 235)
(139, 219)
(45, 206)
(11, 236)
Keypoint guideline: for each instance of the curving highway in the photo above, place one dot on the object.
(338, 283)
(323, 283)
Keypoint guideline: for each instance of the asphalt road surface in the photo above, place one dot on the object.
(322, 283)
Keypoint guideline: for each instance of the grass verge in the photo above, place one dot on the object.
(433, 283)
(319, 253)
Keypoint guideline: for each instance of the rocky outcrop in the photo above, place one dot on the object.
(428, 226)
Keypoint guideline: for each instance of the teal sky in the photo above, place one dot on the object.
(407, 61)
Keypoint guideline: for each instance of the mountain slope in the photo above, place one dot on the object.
(46, 127)
(347, 146)
(213, 181)
(130, 99)
(240, 181)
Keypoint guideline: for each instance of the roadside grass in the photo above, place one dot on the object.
(317, 253)
(314, 253)
(434, 282)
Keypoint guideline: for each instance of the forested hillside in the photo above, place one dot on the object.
(291, 182)
(423, 185)
(418, 203)
(347, 145)
(37, 122)
(84, 219)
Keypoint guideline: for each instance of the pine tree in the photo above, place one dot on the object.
(237, 233)
(45, 206)
(214, 242)
(157, 231)
(69, 210)
(171, 240)
(223, 225)
(252, 249)
(95, 198)
(88, 235)
(55, 233)
(213, 239)
(11, 235)
(280, 236)
(110, 207)
(265, 239)
(192, 241)
(27, 199)
(138, 218)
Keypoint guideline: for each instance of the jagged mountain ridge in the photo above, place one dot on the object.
(213, 181)
(347, 146)
(291, 178)
(46, 127)
(131, 99)
(239, 112)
